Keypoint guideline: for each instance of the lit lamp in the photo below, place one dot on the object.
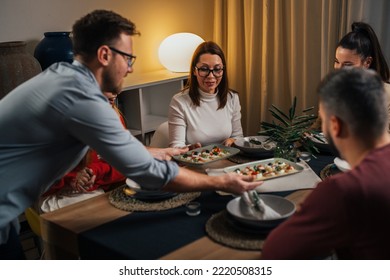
(175, 51)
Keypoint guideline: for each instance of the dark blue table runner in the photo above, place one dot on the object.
(151, 235)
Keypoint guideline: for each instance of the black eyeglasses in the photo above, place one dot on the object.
(204, 71)
(129, 57)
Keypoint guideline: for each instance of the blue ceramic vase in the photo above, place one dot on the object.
(54, 47)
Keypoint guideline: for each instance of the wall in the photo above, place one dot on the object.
(27, 20)
(376, 13)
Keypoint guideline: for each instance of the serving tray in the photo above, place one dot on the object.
(200, 156)
(270, 166)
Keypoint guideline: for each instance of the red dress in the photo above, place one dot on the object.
(106, 175)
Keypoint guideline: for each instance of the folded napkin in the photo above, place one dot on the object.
(257, 207)
(54, 202)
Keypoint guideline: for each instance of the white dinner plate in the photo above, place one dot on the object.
(320, 138)
(342, 164)
(239, 211)
(148, 195)
(321, 142)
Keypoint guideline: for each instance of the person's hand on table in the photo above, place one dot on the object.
(166, 153)
(84, 180)
(228, 142)
(238, 184)
(194, 146)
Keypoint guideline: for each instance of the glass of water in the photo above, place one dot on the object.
(305, 156)
(193, 208)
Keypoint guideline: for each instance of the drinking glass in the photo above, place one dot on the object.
(306, 156)
(193, 208)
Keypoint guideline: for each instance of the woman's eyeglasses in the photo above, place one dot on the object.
(204, 71)
(129, 57)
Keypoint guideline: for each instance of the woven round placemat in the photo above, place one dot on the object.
(124, 202)
(328, 171)
(222, 230)
(239, 158)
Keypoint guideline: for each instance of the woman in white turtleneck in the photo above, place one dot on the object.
(206, 111)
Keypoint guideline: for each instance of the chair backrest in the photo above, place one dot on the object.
(33, 220)
(160, 138)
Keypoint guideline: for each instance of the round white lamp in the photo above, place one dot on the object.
(175, 51)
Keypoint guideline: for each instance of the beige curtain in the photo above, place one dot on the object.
(278, 49)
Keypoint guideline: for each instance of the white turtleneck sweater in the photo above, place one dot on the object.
(189, 124)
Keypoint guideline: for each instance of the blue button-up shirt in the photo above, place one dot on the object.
(47, 124)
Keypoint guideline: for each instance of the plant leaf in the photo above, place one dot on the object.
(290, 129)
(276, 116)
(279, 111)
(308, 109)
(292, 108)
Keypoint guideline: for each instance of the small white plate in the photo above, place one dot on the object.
(342, 164)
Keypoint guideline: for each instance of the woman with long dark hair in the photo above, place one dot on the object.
(360, 48)
(206, 111)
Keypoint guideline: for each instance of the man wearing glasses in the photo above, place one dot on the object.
(129, 57)
(49, 122)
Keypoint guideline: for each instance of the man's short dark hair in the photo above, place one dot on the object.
(98, 28)
(357, 97)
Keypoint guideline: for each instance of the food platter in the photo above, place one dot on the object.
(255, 145)
(266, 169)
(240, 211)
(134, 190)
(206, 154)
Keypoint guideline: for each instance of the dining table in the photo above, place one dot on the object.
(96, 229)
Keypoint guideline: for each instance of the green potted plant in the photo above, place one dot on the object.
(291, 131)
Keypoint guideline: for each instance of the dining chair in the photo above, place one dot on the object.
(160, 138)
(33, 221)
